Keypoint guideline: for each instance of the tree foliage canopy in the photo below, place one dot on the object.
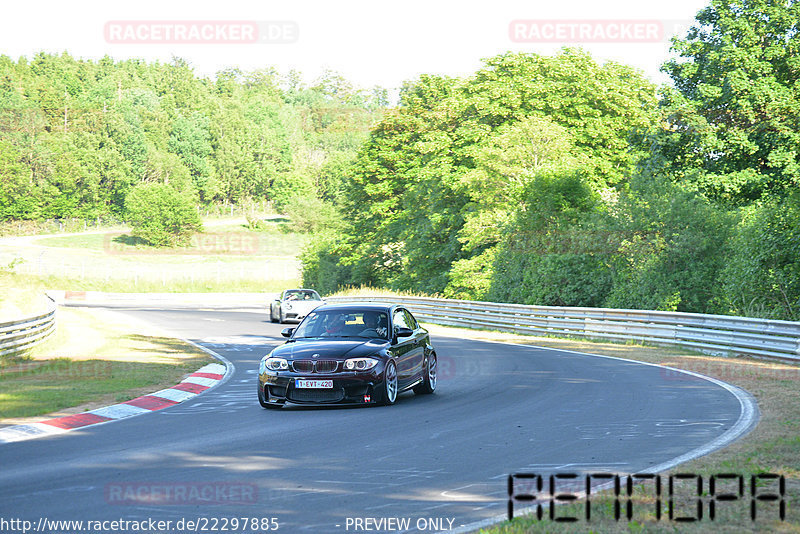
(734, 113)
(440, 177)
(77, 135)
(560, 181)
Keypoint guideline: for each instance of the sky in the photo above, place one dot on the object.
(369, 42)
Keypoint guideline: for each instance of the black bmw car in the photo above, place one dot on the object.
(349, 354)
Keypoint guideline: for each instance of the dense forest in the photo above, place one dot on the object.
(550, 180)
(560, 181)
(76, 136)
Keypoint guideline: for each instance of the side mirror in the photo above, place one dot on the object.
(404, 332)
(287, 332)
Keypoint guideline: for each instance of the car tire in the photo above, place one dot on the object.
(428, 385)
(389, 385)
(263, 402)
(272, 318)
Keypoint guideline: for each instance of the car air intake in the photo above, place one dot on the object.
(277, 391)
(303, 366)
(316, 395)
(312, 366)
(326, 366)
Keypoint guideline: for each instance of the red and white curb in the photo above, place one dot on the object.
(199, 381)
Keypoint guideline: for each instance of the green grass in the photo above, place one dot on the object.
(367, 291)
(63, 383)
(111, 363)
(30, 288)
(90, 241)
(107, 362)
(232, 243)
(20, 298)
(228, 257)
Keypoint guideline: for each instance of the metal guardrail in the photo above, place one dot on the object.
(22, 334)
(714, 334)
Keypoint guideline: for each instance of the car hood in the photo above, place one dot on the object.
(329, 348)
(304, 305)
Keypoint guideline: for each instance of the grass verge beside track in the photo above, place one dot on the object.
(221, 243)
(95, 358)
(772, 447)
(23, 294)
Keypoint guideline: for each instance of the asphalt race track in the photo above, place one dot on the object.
(498, 409)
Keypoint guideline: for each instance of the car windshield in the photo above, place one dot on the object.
(301, 294)
(344, 323)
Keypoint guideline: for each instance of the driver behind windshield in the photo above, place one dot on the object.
(371, 328)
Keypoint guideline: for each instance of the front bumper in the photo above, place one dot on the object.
(348, 388)
(296, 312)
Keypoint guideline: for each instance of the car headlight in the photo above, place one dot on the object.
(288, 305)
(360, 364)
(275, 364)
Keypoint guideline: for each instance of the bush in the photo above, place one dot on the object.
(313, 215)
(554, 253)
(762, 278)
(161, 215)
(565, 279)
(471, 278)
(672, 251)
(289, 186)
(322, 268)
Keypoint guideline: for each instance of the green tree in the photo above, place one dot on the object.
(160, 215)
(313, 215)
(551, 254)
(86, 132)
(17, 197)
(191, 140)
(439, 177)
(734, 114)
(671, 247)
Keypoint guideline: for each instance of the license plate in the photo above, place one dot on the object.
(313, 384)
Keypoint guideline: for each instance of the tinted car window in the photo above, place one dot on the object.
(410, 321)
(343, 323)
(399, 320)
(301, 295)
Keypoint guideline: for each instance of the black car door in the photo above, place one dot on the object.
(416, 358)
(403, 349)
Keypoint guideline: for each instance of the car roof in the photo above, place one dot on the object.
(366, 306)
(300, 289)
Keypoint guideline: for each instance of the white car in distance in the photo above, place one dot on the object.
(294, 304)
